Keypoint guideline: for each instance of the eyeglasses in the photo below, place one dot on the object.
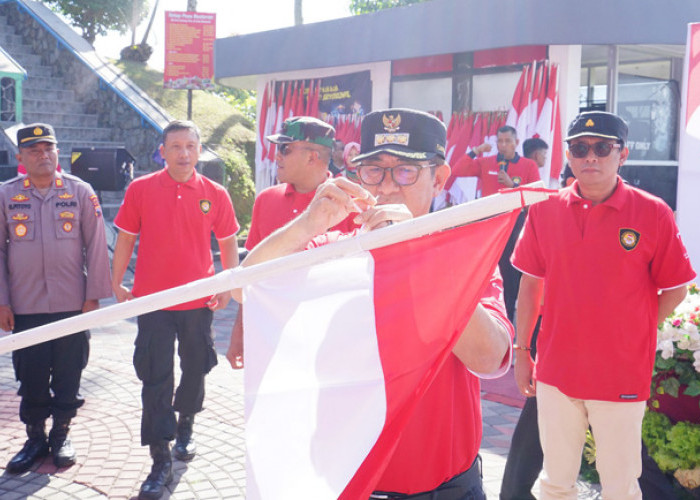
(601, 149)
(403, 175)
(285, 149)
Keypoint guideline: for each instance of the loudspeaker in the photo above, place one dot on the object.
(105, 169)
(659, 180)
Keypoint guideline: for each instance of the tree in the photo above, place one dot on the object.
(365, 6)
(97, 17)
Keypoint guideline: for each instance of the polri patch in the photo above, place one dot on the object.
(20, 230)
(205, 206)
(629, 238)
(68, 226)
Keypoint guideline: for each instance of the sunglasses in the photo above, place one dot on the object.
(285, 148)
(601, 149)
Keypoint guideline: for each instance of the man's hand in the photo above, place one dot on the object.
(90, 305)
(505, 179)
(482, 148)
(334, 200)
(7, 318)
(382, 215)
(219, 301)
(234, 354)
(122, 293)
(524, 367)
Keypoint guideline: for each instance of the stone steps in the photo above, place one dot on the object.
(62, 119)
(46, 105)
(47, 99)
(48, 94)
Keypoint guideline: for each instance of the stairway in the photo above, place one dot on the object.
(47, 99)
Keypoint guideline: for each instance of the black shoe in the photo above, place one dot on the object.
(185, 447)
(34, 448)
(161, 473)
(61, 448)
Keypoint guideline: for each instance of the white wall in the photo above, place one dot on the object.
(494, 92)
(569, 59)
(434, 94)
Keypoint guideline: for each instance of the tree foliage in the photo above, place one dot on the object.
(97, 17)
(365, 6)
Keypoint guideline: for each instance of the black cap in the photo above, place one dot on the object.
(305, 128)
(405, 133)
(36, 132)
(598, 124)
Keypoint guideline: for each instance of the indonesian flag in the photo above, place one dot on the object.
(338, 354)
(689, 147)
(693, 85)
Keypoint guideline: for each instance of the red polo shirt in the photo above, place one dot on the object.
(524, 171)
(277, 205)
(602, 266)
(174, 221)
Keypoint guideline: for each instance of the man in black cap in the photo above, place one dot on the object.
(402, 167)
(304, 147)
(611, 264)
(53, 265)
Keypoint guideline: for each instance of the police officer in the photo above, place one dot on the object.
(53, 265)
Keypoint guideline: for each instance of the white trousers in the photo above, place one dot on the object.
(617, 429)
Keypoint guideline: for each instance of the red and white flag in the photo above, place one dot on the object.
(338, 354)
(692, 118)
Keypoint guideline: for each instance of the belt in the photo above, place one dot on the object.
(452, 489)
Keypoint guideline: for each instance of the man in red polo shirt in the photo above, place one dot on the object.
(505, 170)
(401, 169)
(304, 148)
(173, 212)
(612, 266)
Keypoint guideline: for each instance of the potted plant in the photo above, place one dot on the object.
(671, 429)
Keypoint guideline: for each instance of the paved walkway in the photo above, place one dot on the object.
(111, 462)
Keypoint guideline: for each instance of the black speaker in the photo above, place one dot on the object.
(659, 180)
(105, 169)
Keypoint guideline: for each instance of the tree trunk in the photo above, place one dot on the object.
(298, 19)
(150, 23)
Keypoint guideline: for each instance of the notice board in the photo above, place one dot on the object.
(189, 50)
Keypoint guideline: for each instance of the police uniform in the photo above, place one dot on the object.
(47, 243)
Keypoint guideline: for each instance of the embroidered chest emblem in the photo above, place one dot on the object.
(20, 198)
(67, 226)
(20, 230)
(629, 238)
(205, 206)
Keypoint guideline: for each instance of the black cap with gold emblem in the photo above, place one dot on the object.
(598, 124)
(36, 132)
(405, 133)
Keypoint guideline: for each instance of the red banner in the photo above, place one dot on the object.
(189, 50)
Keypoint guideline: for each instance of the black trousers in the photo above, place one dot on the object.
(153, 361)
(49, 373)
(510, 275)
(465, 486)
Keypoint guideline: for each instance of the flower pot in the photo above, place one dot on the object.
(681, 409)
